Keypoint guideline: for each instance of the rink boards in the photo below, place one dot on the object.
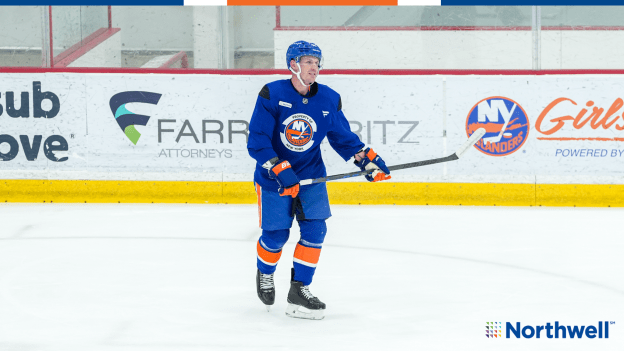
(110, 137)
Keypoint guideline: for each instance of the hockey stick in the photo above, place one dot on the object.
(478, 134)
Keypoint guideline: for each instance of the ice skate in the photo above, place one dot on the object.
(266, 289)
(302, 304)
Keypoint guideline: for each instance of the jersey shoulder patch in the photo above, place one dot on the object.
(265, 93)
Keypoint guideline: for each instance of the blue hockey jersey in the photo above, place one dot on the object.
(290, 126)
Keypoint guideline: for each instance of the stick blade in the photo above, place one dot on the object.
(476, 136)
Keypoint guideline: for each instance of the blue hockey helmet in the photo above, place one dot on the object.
(302, 48)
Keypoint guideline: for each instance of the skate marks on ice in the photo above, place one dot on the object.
(498, 264)
(182, 277)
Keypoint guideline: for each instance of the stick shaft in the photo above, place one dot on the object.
(452, 157)
(478, 134)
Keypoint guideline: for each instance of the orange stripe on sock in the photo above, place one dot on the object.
(307, 254)
(259, 193)
(267, 256)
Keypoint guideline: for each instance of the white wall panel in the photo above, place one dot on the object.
(414, 49)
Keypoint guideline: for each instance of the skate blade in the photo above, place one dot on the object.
(296, 311)
(268, 307)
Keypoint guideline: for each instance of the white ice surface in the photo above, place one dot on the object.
(91, 277)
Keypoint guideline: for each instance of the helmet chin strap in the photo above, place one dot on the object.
(298, 74)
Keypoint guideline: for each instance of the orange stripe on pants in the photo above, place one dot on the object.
(268, 256)
(259, 193)
(307, 254)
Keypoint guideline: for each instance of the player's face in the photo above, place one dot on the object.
(309, 68)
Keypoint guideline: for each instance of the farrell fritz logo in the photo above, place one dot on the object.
(298, 132)
(505, 122)
(493, 329)
(127, 119)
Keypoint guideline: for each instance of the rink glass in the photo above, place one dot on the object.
(256, 37)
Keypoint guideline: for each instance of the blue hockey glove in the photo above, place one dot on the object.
(286, 178)
(371, 161)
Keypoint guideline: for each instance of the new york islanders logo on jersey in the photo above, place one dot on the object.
(298, 132)
(505, 122)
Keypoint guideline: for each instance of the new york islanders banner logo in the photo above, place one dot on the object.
(298, 132)
(505, 122)
(128, 119)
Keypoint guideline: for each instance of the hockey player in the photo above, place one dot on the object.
(290, 120)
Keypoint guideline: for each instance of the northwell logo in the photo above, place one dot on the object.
(127, 119)
(493, 329)
(549, 331)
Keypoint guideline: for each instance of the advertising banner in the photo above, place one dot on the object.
(43, 126)
(550, 129)
(99, 126)
(171, 127)
(195, 127)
